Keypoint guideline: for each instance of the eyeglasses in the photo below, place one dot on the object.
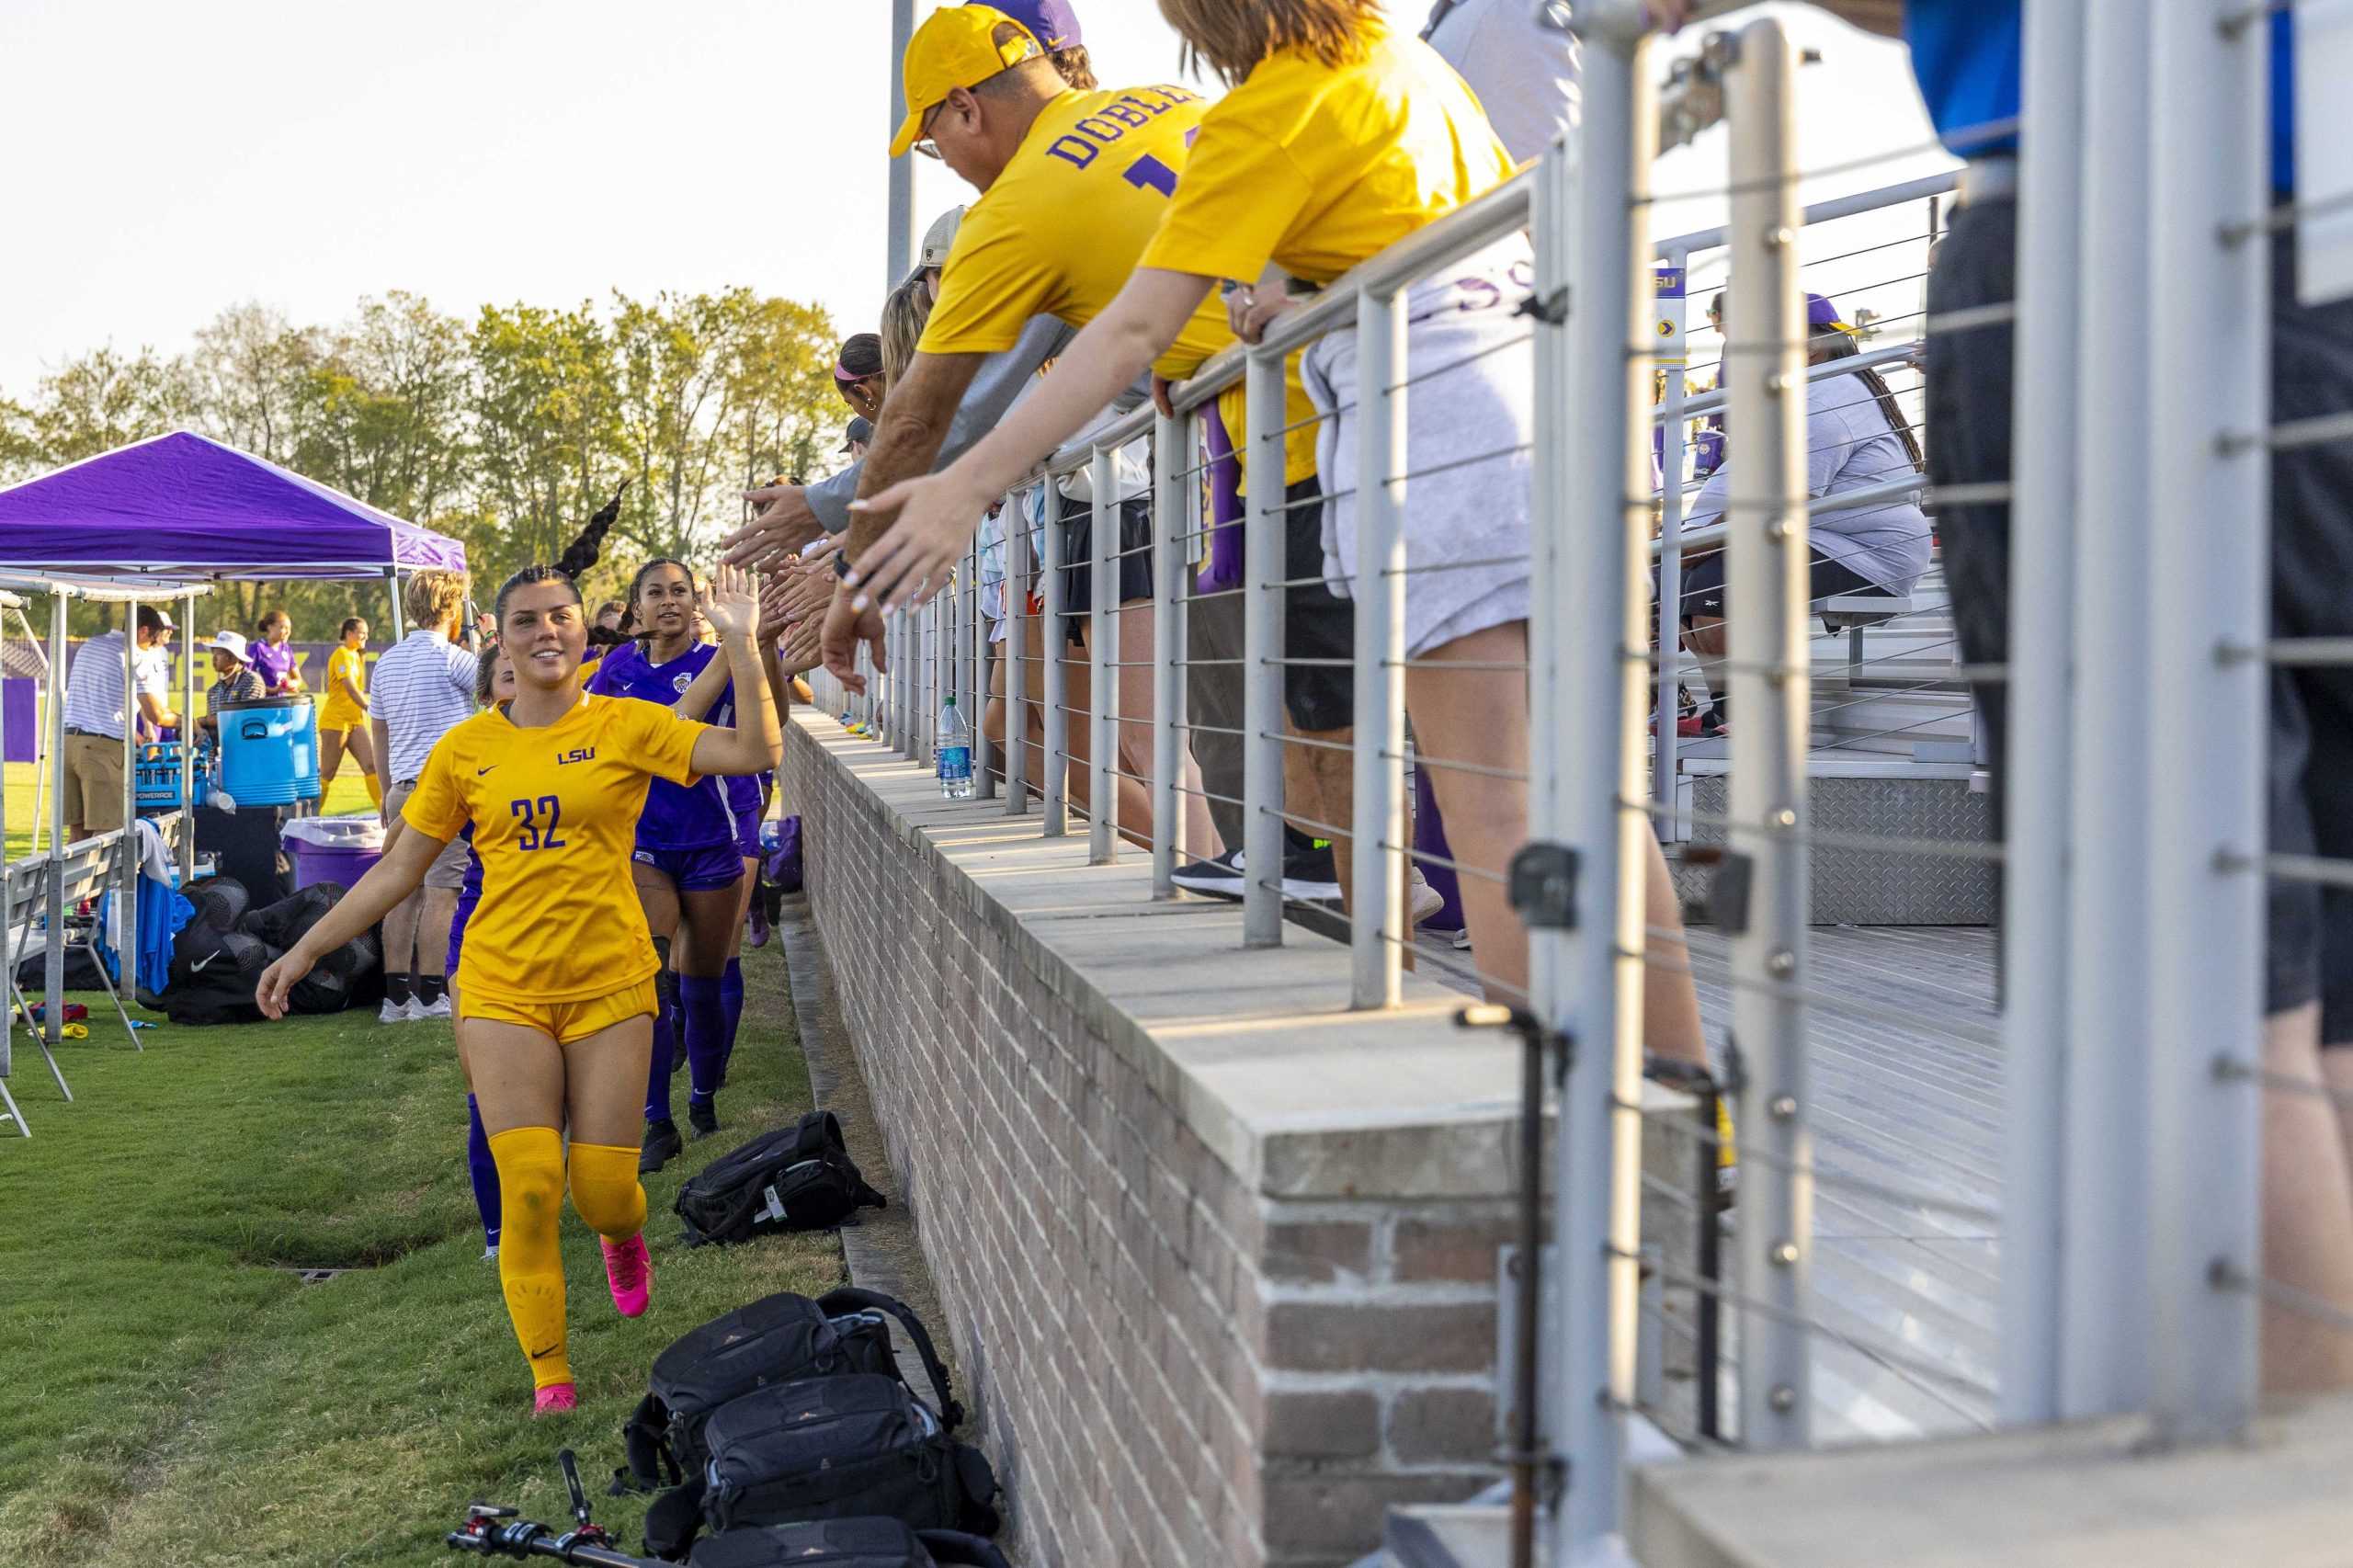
(924, 143)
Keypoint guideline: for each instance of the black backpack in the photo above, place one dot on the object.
(796, 1178)
(777, 1339)
(843, 1543)
(827, 1449)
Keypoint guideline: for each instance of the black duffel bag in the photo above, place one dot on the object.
(827, 1449)
(844, 1543)
(795, 1178)
(777, 1339)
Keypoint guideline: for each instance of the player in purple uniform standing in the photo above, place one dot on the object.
(687, 864)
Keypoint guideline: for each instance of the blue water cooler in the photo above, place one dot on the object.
(269, 751)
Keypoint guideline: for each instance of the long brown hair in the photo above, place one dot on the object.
(1836, 344)
(1231, 36)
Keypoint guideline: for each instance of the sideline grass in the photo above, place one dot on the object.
(173, 1398)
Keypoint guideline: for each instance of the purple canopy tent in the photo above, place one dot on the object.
(183, 507)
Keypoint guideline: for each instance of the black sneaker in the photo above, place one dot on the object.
(661, 1145)
(703, 1118)
(1221, 877)
(1308, 876)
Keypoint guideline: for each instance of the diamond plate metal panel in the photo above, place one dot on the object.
(1865, 887)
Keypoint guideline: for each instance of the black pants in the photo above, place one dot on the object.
(2309, 928)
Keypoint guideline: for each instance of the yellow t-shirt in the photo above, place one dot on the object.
(1059, 230)
(1316, 168)
(341, 711)
(555, 817)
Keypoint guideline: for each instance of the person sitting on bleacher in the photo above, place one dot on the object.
(233, 678)
(1856, 436)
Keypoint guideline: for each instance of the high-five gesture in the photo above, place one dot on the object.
(730, 604)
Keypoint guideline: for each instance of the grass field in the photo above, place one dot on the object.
(346, 794)
(174, 1395)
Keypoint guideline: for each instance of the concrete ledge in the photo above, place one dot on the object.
(1255, 1048)
(1218, 1256)
(2055, 1497)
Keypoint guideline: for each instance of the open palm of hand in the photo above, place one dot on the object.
(729, 603)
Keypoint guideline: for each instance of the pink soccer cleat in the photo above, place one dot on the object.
(556, 1399)
(630, 1271)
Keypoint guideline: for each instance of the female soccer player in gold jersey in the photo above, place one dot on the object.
(556, 987)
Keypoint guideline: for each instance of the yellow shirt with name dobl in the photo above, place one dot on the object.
(1317, 167)
(555, 817)
(1059, 230)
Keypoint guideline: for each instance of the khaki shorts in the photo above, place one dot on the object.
(449, 867)
(93, 793)
(564, 1022)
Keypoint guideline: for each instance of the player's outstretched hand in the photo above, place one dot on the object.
(729, 603)
(277, 982)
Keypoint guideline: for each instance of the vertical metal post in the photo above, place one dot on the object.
(984, 781)
(1767, 570)
(1376, 926)
(125, 931)
(1667, 738)
(53, 966)
(1016, 657)
(1103, 656)
(2104, 1299)
(1172, 516)
(898, 257)
(2207, 540)
(187, 740)
(1590, 555)
(2034, 793)
(1055, 785)
(1262, 654)
(392, 590)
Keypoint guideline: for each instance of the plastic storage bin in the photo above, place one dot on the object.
(269, 751)
(333, 849)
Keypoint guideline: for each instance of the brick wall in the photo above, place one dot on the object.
(1177, 1353)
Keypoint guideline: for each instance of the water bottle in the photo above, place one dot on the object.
(954, 748)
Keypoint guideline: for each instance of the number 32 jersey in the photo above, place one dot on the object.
(555, 815)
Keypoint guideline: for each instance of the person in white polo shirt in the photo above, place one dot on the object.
(424, 687)
(96, 710)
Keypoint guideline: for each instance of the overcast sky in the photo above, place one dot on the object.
(167, 159)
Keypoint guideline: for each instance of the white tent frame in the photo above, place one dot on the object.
(70, 872)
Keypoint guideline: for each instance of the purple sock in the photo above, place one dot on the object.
(731, 1003)
(706, 1034)
(666, 1046)
(484, 1171)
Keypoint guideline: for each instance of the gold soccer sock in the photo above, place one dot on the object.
(375, 788)
(604, 1189)
(530, 1263)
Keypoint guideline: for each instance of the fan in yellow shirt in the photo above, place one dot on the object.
(1338, 138)
(343, 718)
(556, 982)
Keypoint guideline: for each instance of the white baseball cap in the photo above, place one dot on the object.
(939, 239)
(233, 644)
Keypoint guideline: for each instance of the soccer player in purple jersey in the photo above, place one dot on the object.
(687, 864)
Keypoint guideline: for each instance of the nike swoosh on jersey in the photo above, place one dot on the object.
(480, 771)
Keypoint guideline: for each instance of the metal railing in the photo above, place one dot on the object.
(2129, 950)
